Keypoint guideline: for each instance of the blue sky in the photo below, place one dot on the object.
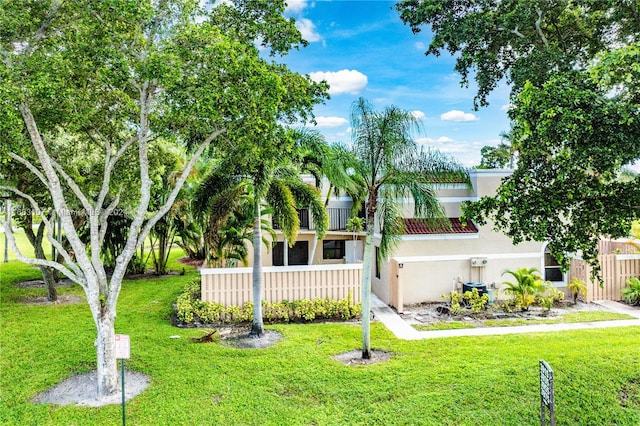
(362, 48)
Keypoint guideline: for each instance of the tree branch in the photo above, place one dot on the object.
(74, 187)
(31, 168)
(539, 28)
(39, 262)
(55, 189)
(49, 228)
(177, 187)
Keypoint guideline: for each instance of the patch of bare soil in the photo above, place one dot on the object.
(40, 284)
(63, 299)
(430, 313)
(191, 262)
(239, 338)
(81, 390)
(354, 357)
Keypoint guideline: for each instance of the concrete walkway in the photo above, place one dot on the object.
(405, 331)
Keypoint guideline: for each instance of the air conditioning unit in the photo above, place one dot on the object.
(478, 262)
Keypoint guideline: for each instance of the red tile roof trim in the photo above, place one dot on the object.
(420, 227)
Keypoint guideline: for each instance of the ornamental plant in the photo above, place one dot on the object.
(529, 284)
(631, 294)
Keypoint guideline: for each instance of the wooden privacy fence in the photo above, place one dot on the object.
(616, 270)
(233, 286)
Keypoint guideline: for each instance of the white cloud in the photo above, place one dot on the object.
(295, 6)
(445, 139)
(343, 81)
(418, 115)
(424, 141)
(506, 107)
(455, 115)
(308, 30)
(420, 46)
(327, 122)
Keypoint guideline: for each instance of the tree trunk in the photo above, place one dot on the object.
(257, 326)
(48, 276)
(367, 265)
(49, 279)
(107, 371)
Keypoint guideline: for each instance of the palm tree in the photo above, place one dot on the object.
(529, 282)
(282, 189)
(390, 166)
(321, 160)
(275, 183)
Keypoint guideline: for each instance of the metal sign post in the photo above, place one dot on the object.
(123, 351)
(546, 394)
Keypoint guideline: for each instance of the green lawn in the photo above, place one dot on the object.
(453, 381)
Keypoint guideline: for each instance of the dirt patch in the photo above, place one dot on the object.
(63, 299)
(629, 394)
(430, 313)
(354, 357)
(81, 390)
(196, 263)
(239, 338)
(31, 284)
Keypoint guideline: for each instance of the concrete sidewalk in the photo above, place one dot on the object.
(403, 330)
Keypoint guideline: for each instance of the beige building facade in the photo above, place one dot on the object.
(427, 263)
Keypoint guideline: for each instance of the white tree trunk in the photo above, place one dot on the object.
(86, 268)
(257, 326)
(367, 266)
(107, 372)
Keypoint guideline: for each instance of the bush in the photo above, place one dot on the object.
(471, 298)
(631, 294)
(190, 310)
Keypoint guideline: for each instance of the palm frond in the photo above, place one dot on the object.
(281, 199)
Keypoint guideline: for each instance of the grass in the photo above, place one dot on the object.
(570, 317)
(489, 380)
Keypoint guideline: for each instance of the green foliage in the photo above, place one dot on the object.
(472, 299)
(524, 40)
(573, 71)
(528, 286)
(631, 294)
(476, 302)
(578, 288)
(549, 297)
(189, 309)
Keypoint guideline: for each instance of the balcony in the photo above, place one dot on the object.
(338, 217)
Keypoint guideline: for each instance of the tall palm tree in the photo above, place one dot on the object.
(390, 166)
(281, 188)
(275, 183)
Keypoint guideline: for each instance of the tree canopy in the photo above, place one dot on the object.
(573, 70)
(116, 76)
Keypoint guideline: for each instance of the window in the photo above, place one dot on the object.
(297, 255)
(333, 249)
(552, 271)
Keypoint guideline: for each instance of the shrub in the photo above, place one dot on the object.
(529, 284)
(190, 310)
(476, 302)
(631, 294)
(453, 299)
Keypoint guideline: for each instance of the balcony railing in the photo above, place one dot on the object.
(338, 217)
